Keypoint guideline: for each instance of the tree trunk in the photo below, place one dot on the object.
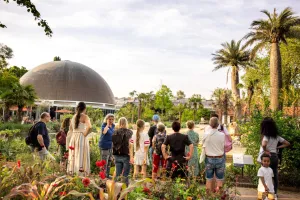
(194, 114)
(20, 109)
(250, 95)
(6, 113)
(236, 92)
(275, 76)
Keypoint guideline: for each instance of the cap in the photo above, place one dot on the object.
(155, 118)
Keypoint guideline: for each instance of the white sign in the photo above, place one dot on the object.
(242, 159)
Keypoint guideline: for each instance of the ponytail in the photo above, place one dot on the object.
(80, 109)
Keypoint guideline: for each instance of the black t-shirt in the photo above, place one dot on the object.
(151, 133)
(177, 143)
(41, 129)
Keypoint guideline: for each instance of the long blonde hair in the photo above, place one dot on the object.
(123, 123)
(139, 125)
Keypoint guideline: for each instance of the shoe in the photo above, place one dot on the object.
(276, 197)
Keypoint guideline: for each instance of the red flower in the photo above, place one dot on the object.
(146, 190)
(100, 163)
(55, 184)
(19, 163)
(102, 175)
(71, 147)
(86, 182)
(174, 165)
(187, 167)
(64, 193)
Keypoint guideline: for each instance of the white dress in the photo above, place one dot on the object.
(79, 157)
(139, 155)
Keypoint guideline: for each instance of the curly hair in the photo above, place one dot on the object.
(65, 124)
(268, 128)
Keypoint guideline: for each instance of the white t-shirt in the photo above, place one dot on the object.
(267, 173)
(144, 141)
(214, 141)
(271, 144)
(208, 128)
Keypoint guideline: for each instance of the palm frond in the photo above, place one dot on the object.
(256, 48)
(268, 14)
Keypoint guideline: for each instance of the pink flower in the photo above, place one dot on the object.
(71, 147)
(66, 155)
(19, 163)
(55, 184)
(174, 165)
(86, 182)
(102, 175)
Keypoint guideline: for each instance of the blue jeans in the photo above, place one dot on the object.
(215, 166)
(150, 155)
(106, 154)
(122, 167)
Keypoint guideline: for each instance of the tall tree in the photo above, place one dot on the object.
(180, 95)
(234, 56)
(291, 97)
(56, 58)
(20, 96)
(222, 102)
(181, 106)
(37, 16)
(195, 102)
(5, 53)
(272, 31)
(163, 98)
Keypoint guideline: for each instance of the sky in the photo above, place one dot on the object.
(135, 44)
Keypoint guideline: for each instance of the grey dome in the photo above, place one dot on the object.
(70, 81)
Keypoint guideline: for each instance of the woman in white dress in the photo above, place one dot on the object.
(140, 144)
(78, 143)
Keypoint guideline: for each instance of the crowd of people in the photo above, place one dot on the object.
(176, 153)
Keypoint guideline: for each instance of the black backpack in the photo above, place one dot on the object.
(31, 138)
(121, 142)
(160, 138)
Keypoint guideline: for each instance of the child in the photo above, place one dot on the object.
(157, 141)
(140, 144)
(265, 174)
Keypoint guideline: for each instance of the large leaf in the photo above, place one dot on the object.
(78, 194)
(133, 186)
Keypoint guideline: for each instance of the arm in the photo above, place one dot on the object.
(104, 128)
(88, 125)
(131, 152)
(153, 142)
(264, 183)
(285, 144)
(41, 140)
(69, 135)
(41, 132)
(163, 149)
(191, 151)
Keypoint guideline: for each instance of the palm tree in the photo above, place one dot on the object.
(234, 56)
(180, 95)
(181, 106)
(19, 95)
(275, 29)
(222, 102)
(195, 102)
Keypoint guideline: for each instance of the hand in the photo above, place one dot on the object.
(131, 160)
(144, 162)
(166, 157)
(267, 152)
(266, 189)
(106, 128)
(187, 158)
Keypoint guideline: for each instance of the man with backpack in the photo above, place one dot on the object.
(157, 142)
(38, 137)
(151, 133)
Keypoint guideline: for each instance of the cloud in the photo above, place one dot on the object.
(135, 44)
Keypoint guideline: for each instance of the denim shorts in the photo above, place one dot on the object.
(215, 166)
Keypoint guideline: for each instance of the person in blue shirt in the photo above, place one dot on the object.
(105, 143)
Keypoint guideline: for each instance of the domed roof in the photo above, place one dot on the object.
(70, 81)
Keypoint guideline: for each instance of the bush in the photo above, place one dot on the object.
(53, 126)
(288, 129)
(24, 128)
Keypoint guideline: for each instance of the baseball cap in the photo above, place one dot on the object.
(155, 118)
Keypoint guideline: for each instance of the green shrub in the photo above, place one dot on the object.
(288, 129)
(53, 126)
(24, 128)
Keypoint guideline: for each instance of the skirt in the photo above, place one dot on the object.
(79, 155)
(139, 159)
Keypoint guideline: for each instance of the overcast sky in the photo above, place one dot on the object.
(135, 44)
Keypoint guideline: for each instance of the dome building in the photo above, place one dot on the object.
(65, 83)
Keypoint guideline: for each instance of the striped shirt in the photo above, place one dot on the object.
(144, 142)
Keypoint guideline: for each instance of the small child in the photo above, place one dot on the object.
(157, 141)
(265, 174)
(140, 143)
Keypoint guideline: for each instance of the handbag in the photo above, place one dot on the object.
(203, 155)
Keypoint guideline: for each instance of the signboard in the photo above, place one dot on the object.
(241, 159)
